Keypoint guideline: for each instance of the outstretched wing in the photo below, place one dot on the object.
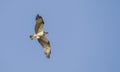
(46, 45)
(39, 24)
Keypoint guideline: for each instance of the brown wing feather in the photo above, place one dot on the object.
(39, 24)
(46, 46)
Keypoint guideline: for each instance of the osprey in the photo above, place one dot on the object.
(40, 36)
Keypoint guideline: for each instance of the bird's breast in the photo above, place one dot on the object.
(40, 33)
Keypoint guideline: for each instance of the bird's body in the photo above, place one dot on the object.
(40, 35)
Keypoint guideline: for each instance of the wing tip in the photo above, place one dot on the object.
(48, 54)
(38, 16)
(48, 57)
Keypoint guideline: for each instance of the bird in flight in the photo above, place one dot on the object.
(40, 36)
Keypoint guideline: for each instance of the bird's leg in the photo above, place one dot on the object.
(46, 32)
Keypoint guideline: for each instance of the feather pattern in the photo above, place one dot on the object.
(46, 45)
(40, 35)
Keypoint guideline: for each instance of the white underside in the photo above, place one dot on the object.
(38, 34)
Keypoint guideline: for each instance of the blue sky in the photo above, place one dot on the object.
(84, 35)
